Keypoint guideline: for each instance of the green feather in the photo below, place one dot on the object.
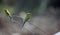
(7, 12)
(28, 15)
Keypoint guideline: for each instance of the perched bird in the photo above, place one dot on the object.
(7, 13)
(28, 15)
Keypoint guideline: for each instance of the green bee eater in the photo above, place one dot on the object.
(7, 13)
(28, 15)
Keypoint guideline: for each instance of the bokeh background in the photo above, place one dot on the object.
(45, 15)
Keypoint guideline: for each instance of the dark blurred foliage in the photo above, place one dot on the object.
(11, 2)
(0, 1)
(26, 5)
(30, 5)
(54, 3)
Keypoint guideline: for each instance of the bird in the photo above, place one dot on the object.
(7, 13)
(28, 15)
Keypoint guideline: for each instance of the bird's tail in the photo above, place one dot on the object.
(24, 23)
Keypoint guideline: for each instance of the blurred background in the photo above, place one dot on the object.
(45, 15)
(34, 6)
